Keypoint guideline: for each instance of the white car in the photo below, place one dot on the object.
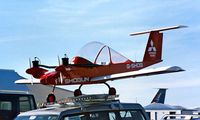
(86, 108)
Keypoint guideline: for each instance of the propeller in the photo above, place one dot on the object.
(35, 70)
(65, 62)
(32, 64)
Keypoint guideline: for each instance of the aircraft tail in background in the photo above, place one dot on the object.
(160, 96)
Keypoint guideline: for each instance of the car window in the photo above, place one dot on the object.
(38, 117)
(5, 105)
(26, 103)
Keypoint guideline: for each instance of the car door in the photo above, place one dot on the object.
(8, 108)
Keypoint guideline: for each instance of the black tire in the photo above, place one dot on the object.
(77, 92)
(51, 98)
(112, 91)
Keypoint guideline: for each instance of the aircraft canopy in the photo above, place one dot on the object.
(99, 53)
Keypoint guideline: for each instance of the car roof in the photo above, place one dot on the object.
(14, 92)
(83, 104)
(45, 111)
(75, 109)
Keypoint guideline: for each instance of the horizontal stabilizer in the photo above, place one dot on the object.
(161, 29)
(26, 81)
(139, 73)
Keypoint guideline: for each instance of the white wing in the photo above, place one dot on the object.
(26, 81)
(139, 73)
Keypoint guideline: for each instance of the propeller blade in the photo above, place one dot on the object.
(58, 60)
(61, 76)
(31, 80)
(30, 64)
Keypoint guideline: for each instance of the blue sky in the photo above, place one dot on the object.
(48, 28)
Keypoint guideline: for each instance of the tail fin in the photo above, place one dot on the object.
(153, 52)
(160, 96)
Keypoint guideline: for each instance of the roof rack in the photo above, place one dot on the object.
(89, 99)
(82, 100)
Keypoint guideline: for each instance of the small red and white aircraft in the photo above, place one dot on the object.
(99, 63)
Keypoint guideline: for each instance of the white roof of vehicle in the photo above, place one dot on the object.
(46, 111)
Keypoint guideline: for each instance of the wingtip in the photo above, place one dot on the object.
(19, 81)
(176, 69)
(182, 26)
(26, 81)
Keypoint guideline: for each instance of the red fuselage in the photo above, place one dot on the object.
(82, 74)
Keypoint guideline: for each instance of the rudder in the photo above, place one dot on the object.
(153, 52)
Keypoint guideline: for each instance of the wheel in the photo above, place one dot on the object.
(112, 91)
(51, 98)
(77, 92)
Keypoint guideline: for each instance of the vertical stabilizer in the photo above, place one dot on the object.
(160, 96)
(153, 52)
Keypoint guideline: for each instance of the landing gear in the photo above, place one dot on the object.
(78, 92)
(51, 98)
(111, 91)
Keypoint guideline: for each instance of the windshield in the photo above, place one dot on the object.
(38, 117)
(99, 53)
(108, 115)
